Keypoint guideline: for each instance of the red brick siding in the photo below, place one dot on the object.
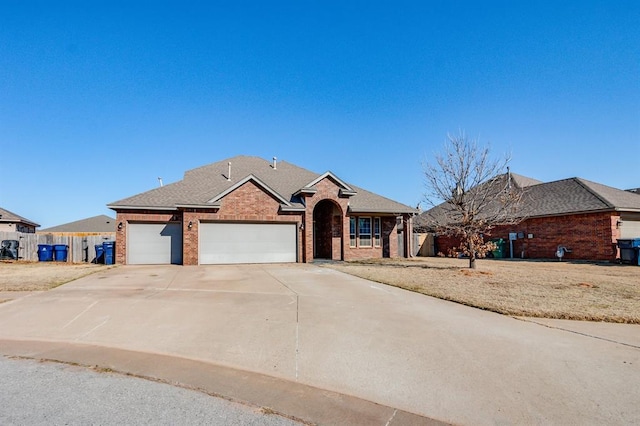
(248, 203)
(389, 239)
(589, 236)
(327, 189)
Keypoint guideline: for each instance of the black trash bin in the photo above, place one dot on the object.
(629, 250)
(9, 250)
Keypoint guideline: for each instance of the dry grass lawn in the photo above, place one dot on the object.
(548, 289)
(38, 276)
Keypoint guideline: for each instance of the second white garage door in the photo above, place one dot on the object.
(247, 243)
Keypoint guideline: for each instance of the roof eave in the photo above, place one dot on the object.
(22, 221)
(305, 191)
(124, 207)
(609, 209)
(198, 206)
(346, 192)
(383, 212)
(292, 209)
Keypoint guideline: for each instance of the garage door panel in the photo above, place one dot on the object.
(630, 229)
(222, 243)
(154, 243)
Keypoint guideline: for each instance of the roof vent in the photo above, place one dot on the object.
(229, 173)
(275, 163)
(160, 180)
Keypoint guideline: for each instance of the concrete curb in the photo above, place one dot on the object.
(290, 399)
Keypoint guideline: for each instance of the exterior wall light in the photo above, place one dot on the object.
(120, 226)
(190, 225)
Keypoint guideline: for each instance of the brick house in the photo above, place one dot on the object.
(585, 217)
(11, 222)
(249, 210)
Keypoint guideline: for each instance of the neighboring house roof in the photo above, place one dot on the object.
(205, 186)
(523, 181)
(576, 195)
(562, 197)
(634, 190)
(101, 223)
(7, 216)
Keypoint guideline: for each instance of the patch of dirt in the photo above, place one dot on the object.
(38, 276)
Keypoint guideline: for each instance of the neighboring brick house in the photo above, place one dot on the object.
(585, 217)
(11, 222)
(249, 210)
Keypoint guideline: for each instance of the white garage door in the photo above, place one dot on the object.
(247, 243)
(154, 243)
(630, 229)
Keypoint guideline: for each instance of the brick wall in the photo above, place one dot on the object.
(589, 236)
(327, 189)
(248, 203)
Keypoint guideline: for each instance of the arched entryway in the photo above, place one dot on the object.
(327, 230)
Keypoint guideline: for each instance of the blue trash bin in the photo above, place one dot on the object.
(45, 252)
(99, 253)
(60, 252)
(109, 249)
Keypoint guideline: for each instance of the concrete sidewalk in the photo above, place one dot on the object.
(313, 326)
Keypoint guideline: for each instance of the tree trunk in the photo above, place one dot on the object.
(472, 255)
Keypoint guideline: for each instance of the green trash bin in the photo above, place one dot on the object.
(500, 249)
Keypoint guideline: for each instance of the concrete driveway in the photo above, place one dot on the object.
(310, 325)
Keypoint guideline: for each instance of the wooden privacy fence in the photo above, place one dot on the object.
(81, 246)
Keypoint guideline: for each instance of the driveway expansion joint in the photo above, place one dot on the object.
(579, 333)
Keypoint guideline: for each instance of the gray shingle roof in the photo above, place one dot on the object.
(524, 181)
(203, 185)
(101, 223)
(7, 216)
(566, 196)
(576, 195)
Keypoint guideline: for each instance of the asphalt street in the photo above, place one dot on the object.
(45, 393)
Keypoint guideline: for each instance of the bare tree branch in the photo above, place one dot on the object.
(470, 193)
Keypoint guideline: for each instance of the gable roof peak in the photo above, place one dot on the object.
(332, 176)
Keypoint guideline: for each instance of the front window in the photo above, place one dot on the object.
(352, 232)
(364, 231)
(376, 231)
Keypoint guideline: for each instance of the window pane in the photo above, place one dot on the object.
(364, 225)
(364, 231)
(352, 232)
(376, 231)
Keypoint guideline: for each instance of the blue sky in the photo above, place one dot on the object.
(99, 98)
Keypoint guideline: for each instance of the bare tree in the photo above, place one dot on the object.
(473, 194)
